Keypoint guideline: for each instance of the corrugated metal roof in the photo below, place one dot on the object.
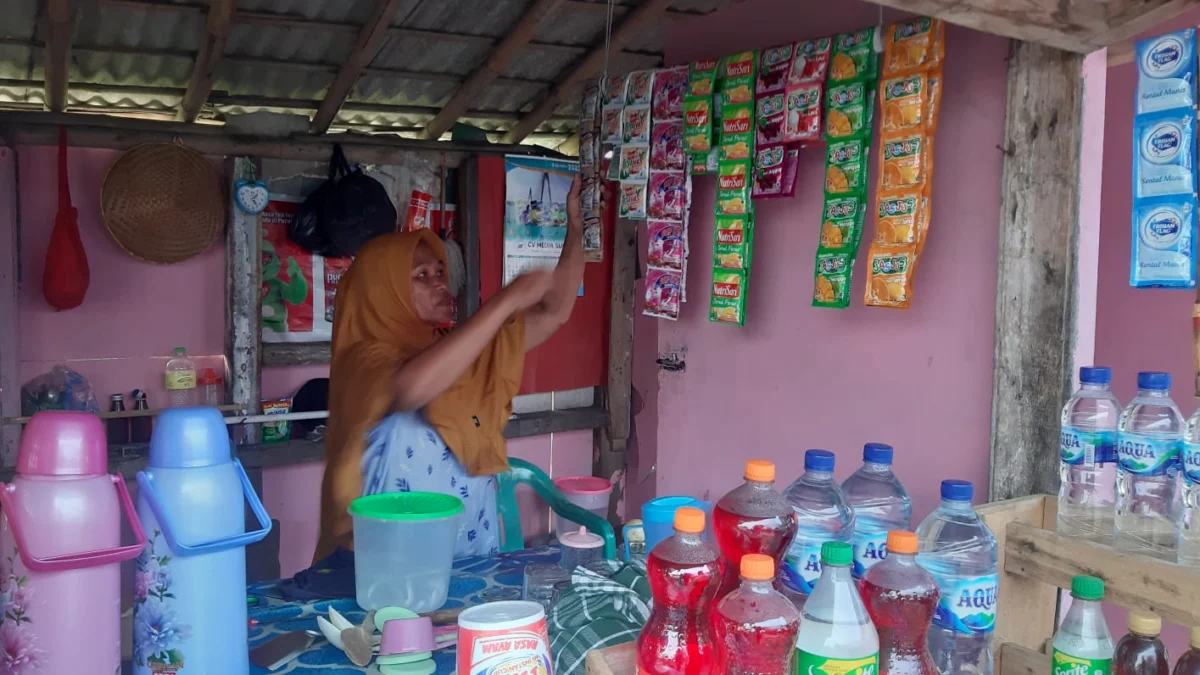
(137, 56)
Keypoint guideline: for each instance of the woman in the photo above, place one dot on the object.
(412, 407)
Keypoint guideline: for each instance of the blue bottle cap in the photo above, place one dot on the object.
(188, 438)
(818, 460)
(957, 490)
(1095, 375)
(1154, 381)
(878, 453)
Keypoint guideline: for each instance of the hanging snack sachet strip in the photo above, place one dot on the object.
(742, 122)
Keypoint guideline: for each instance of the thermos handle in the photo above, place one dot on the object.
(625, 538)
(146, 485)
(71, 561)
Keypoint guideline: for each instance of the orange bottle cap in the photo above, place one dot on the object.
(760, 470)
(758, 567)
(901, 541)
(690, 520)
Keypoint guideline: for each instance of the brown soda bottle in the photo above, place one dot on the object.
(140, 428)
(1189, 663)
(1141, 652)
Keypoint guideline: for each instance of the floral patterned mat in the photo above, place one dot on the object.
(474, 581)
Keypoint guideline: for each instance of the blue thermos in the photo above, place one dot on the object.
(190, 584)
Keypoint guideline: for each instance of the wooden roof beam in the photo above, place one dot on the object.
(639, 20)
(492, 67)
(1127, 25)
(370, 40)
(1075, 26)
(204, 69)
(60, 20)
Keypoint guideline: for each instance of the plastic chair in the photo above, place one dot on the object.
(521, 471)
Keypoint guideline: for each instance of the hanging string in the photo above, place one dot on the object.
(608, 24)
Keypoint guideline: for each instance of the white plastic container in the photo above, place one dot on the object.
(404, 549)
(586, 492)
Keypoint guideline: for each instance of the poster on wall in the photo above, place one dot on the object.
(298, 287)
(535, 212)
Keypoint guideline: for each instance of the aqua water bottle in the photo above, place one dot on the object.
(190, 586)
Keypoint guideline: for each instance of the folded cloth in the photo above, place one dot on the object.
(330, 578)
(605, 606)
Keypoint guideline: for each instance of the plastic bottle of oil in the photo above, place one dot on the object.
(1141, 652)
(1189, 663)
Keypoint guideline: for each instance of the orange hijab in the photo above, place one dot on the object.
(375, 330)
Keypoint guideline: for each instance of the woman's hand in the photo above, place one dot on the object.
(528, 289)
(558, 298)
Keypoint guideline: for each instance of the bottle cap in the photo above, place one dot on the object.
(1087, 588)
(957, 490)
(1095, 375)
(1154, 381)
(1194, 638)
(138, 393)
(209, 376)
(878, 453)
(118, 397)
(581, 539)
(818, 460)
(1144, 623)
(760, 470)
(836, 553)
(689, 519)
(180, 350)
(902, 541)
(758, 567)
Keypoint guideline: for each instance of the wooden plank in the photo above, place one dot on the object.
(123, 133)
(1026, 615)
(1078, 26)
(1017, 660)
(370, 40)
(611, 442)
(556, 421)
(483, 76)
(634, 25)
(617, 660)
(1130, 580)
(60, 21)
(1143, 15)
(1037, 286)
(296, 354)
(10, 308)
(468, 236)
(243, 302)
(204, 68)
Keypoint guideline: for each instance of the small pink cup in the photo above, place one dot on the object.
(407, 636)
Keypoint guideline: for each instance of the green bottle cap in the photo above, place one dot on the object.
(836, 553)
(1087, 588)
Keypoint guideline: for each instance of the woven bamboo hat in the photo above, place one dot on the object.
(163, 203)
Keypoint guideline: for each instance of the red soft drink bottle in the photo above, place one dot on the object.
(901, 598)
(684, 573)
(756, 625)
(753, 518)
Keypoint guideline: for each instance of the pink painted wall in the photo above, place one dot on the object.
(135, 313)
(797, 377)
(1137, 329)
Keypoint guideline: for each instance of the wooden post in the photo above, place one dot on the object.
(468, 235)
(60, 21)
(243, 303)
(611, 439)
(10, 320)
(1037, 294)
(208, 58)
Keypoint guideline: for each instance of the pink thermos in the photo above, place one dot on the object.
(60, 551)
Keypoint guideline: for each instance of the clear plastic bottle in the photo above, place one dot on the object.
(756, 625)
(901, 598)
(1148, 443)
(684, 573)
(1141, 652)
(961, 554)
(181, 380)
(752, 518)
(880, 503)
(822, 514)
(1189, 663)
(1088, 459)
(1082, 643)
(836, 635)
(1189, 522)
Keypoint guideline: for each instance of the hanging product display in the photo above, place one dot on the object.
(590, 155)
(774, 165)
(909, 98)
(849, 116)
(698, 111)
(668, 196)
(1164, 172)
(735, 171)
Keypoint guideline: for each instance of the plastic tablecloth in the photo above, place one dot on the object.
(473, 582)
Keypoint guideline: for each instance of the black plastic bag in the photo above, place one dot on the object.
(344, 213)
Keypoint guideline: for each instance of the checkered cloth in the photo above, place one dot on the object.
(600, 610)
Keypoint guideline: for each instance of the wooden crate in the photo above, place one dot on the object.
(1035, 562)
